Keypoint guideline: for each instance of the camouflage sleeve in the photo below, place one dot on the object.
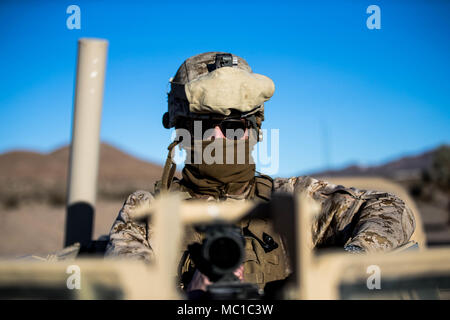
(358, 220)
(130, 238)
(384, 223)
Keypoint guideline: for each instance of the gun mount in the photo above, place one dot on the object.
(408, 274)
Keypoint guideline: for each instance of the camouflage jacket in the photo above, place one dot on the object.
(349, 218)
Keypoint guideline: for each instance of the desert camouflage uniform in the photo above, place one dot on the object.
(357, 220)
(353, 219)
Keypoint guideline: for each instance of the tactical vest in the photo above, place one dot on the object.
(265, 253)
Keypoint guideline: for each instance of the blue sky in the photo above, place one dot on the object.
(365, 96)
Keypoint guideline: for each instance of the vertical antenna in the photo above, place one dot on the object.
(85, 145)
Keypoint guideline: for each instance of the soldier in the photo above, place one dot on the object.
(220, 92)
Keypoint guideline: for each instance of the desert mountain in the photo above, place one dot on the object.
(405, 168)
(29, 176)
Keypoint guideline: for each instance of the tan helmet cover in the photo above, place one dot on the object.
(228, 88)
(200, 90)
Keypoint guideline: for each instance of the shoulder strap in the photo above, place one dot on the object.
(263, 187)
(175, 186)
(169, 168)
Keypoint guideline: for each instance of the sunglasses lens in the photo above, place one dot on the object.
(233, 128)
(207, 125)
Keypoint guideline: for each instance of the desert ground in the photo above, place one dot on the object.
(39, 228)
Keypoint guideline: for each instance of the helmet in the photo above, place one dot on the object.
(216, 85)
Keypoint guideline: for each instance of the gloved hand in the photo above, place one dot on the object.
(201, 282)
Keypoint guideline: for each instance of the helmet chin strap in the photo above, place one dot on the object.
(169, 167)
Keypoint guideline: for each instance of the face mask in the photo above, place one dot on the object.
(219, 167)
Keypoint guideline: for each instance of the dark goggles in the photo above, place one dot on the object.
(231, 128)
